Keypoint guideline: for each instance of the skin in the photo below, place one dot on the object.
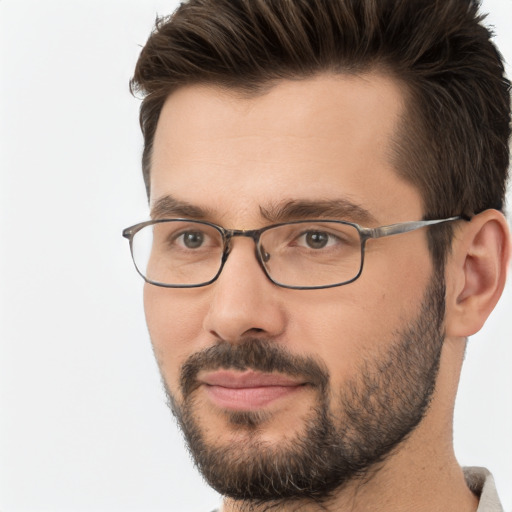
(325, 138)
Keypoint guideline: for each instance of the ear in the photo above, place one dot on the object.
(476, 272)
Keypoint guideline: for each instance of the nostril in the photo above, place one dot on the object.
(253, 331)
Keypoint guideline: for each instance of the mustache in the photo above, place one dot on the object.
(251, 354)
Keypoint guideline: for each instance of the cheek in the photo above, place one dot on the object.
(174, 326)
(338, 331)
(345, 326)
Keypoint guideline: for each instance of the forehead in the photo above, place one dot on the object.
(320, 138)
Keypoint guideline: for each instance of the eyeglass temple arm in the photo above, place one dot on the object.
(404, 227)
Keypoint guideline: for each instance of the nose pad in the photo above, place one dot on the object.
(263, 254)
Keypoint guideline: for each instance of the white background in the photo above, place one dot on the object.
(83, 420)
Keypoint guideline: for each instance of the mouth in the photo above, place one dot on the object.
(248, 390)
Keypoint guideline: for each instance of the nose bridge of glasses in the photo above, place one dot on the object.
(254, 234)
(229, 234)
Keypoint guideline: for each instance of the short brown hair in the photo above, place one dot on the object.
(454, 141)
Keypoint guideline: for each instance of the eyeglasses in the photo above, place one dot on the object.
(303, 255)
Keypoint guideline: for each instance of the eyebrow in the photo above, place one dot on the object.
(301, 209)
(168, 206)
(338, 209)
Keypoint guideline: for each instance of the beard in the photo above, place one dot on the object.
(372, 415)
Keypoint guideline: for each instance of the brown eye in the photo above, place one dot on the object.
(316, 239)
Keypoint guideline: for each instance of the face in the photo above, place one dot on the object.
(301, 389)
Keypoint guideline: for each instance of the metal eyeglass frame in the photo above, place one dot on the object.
(365, 234)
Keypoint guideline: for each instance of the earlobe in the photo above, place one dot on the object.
(476, 272)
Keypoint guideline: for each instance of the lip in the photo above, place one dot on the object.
(248, 391)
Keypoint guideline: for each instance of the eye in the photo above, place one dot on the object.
(184, 238)
(192, 239)
(316, 239)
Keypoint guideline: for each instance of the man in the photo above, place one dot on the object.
(286, 144)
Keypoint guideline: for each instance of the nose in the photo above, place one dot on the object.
(243, 301)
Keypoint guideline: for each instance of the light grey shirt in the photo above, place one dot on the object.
(481, 482)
